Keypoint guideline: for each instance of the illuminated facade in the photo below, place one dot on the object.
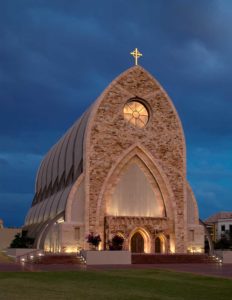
(120, 169)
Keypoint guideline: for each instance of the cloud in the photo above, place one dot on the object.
(14, 207)
(55, 60)
(3, 162)
(210, 174)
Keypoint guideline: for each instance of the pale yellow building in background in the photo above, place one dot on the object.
(7, 235)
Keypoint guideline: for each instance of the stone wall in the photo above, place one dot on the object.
(126, 226)
(7, 235)
(70, 240)
(196, 238)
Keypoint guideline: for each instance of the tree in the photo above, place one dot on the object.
(22, 241)
(223, 243)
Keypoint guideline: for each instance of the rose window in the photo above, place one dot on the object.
(136, 114)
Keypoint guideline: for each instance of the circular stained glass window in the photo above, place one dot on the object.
(136, 114)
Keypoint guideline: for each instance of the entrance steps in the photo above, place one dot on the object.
(136, 258)
(48, 259)
(141, 258)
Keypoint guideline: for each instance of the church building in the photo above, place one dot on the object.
(119, 170)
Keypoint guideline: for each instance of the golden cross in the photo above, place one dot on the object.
(136, 54)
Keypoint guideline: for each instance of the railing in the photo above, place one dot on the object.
(83, 256)
(217, 256)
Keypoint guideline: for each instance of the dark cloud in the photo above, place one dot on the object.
(15, 207)
(3, 162)
(56, 57)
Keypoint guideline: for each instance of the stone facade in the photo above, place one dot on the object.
(109, 137)
(127, 226)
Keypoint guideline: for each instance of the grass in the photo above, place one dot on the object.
(114, 284)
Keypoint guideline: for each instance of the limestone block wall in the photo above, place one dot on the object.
(196, 238)
(108, 136)
(192, 208)
(7, 235)
(126, 226)
(72, 237)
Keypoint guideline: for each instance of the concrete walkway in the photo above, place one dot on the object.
(203, 269)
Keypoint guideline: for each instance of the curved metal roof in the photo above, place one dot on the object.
(64, 156)
(52, 181)
(49, 208)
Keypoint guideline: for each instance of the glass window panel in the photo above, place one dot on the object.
(127, 109)
(143, 119)
(139, 123)
(132, 105)
(136, 114)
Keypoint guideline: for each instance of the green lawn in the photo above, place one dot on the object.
(115, 284)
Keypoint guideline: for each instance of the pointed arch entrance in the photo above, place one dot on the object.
(134, 194)
(158, 245)
(137, 243)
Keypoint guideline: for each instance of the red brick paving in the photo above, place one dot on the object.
(203, 269)
(11, 267)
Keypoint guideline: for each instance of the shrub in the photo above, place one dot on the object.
(223, 243)
(22, 241)
(116, 243)
(94, 239)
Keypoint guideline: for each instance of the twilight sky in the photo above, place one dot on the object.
(56, 57)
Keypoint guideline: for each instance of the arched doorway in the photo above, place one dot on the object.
(158, 245)
(137, 243)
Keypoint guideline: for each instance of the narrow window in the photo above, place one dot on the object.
(191, 235)
(77, 233)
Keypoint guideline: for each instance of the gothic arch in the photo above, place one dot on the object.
(163, 243)
(72, 197)
(153, 171)
(146, 237)
(40, 239)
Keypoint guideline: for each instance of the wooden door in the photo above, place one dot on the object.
(137, 243)
(157, 245)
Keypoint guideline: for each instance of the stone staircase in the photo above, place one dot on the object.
(136, 258)
(49, 259)
(173, 259)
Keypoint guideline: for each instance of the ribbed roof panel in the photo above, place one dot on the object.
(44, 172)
(70, 152)
(62, 157)
(66, 154)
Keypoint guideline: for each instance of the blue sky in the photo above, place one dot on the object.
(56, 57)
